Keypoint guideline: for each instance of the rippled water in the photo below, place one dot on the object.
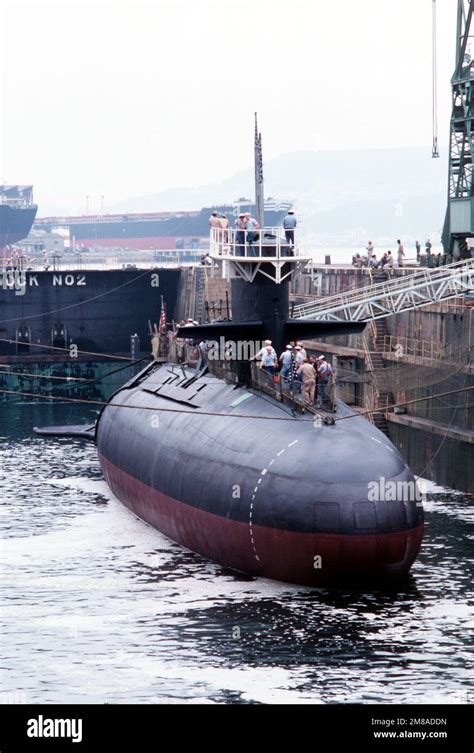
(99, 607)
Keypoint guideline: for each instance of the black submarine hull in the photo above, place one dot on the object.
(230, 474)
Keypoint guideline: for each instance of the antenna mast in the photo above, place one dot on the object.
(435, 151)
(259, 196)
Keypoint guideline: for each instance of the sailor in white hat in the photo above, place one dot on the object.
(267, 344)
(303, 351)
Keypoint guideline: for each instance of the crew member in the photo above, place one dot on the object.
(306, 370)
(285, 361)
(251, 225)
(214, 220)
(315, 364)
(269, 360)
(401, 253)
(240, 233)
(224, 225)
(297, 360)
(302, 351)
(326, 374)
(289, 224)
(259, 355)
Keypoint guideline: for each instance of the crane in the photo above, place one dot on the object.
(459, 222)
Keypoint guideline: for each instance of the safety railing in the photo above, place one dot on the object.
(76, 263)
(262, 244)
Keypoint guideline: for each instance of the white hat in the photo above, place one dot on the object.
(320, 358)
(298, 347)
(268, 342)
(289, 347)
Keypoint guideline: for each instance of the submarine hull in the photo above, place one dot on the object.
(230, 474)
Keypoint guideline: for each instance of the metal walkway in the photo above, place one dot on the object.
(393, 296)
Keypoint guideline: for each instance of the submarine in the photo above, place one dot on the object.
(226, 463)
(230, 465)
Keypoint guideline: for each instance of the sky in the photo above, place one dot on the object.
(114, 100)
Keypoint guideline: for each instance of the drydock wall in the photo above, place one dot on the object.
(436, 436)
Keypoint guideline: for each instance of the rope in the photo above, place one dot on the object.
(407, 402)
(65, 350)
(83, 381)
(104, 403)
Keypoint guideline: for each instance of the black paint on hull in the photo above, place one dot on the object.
(98, 310)
(288, 477)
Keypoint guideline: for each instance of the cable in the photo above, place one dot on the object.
(40, 376)
(65, 350)
(83, 380)
(114, 371)
(407, 402)
(104, 403)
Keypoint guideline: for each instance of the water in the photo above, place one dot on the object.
(98, 607)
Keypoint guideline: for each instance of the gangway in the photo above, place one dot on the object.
(394, 296)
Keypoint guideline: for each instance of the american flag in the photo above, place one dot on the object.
(162, 325)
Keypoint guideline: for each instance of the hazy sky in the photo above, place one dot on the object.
(111, 99)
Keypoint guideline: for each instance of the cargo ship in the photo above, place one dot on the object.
(46, 312)
(17, 214)
(154, 230)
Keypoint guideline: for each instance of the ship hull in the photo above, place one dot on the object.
(95, 310)
(15, 223)
(289, 556)
(281, 499)
(160, 231)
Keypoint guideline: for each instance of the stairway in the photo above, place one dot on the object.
(199, 313)
(384, 397)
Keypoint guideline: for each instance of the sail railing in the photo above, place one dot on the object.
(253, 244)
